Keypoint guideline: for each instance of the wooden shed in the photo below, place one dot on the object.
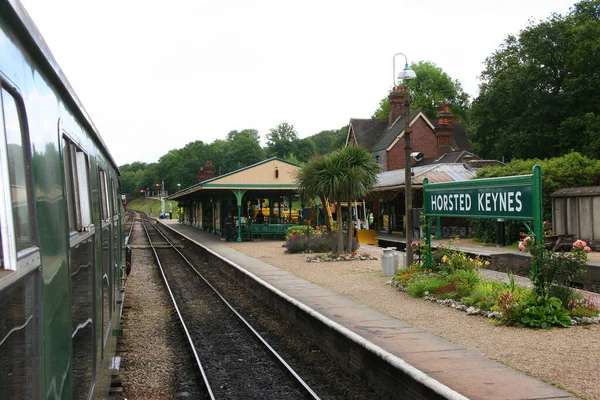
(576, 211)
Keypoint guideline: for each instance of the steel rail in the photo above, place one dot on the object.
(307, 389)
(187, 333)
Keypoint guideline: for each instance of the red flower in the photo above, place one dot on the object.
(484, 299)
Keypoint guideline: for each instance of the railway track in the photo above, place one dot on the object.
(232, 358)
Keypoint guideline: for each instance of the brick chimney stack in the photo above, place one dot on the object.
(444, 130)
(206, 172)
(396, 103)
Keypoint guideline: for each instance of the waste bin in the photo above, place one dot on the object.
(388, 267)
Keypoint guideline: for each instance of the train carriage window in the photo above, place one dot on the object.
(16, 230)
(19, 319)
(77, 187)
(115, 198)
(105, 210)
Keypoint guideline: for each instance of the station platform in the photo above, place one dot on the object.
(431, 366)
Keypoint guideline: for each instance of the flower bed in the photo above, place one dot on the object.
(455, 280)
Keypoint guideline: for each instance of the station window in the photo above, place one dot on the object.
(105, 204)
(16, 231)
(77, 187)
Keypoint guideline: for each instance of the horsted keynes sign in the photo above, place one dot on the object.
(511, 197)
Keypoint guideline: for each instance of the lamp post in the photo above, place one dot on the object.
(405, 75)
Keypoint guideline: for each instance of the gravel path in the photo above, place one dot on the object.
(568, 358)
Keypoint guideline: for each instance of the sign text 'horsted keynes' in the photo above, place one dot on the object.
(512, 197)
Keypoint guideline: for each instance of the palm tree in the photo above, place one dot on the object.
(347, 173)
(323, 176)
(360, 176)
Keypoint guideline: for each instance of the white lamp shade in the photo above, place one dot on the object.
(407, 73)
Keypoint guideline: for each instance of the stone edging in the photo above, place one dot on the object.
(488, 314)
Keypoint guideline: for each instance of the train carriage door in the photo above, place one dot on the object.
(81, 266)
(107, 286)
(19, 256)
(116, 240)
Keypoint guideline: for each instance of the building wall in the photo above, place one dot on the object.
(382, 160)
(422, 139)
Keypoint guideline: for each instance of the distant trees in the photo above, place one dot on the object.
(280, 139)
(330, 140)
(540, 91)
(429, 90)
(570, 170)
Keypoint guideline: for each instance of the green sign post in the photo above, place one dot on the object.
(511, 197)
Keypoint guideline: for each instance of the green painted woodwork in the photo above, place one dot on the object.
(239, 194)
(507, 197)
(528, 206)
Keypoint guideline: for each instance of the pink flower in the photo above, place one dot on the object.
(521, 246)
(527, 240)
(587, 249)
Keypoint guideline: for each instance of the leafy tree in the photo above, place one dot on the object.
(429, 90)
(540, 92)
(249, 132)
(244, 150)
(571, 170)
(303, 149)
(218, 150)
(280, 138)
(330, 140)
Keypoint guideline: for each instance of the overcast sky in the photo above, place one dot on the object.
(156, 75)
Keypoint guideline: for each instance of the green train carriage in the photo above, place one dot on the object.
(61, 275)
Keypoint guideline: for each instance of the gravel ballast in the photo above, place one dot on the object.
(566, 357)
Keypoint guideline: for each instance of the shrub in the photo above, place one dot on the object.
(542, 313)
(301, 238)
(486, 294)
(447, 291)
(554, 268)
(418, 287)
(526, 309)
(458, 261)
(583, 306)
(486, 230)
(296, 244)
(320, 244)
(305, 230)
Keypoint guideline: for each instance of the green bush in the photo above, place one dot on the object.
(571, 170)
(485, 230)
(418, 287)
(582, 306)
(485, 295)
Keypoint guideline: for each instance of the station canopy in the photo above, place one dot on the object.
(266, 178)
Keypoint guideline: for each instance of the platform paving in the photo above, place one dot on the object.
(460, 373)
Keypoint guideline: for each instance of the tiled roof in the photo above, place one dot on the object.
(374, 134)
(435, 173)
(366, 131)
